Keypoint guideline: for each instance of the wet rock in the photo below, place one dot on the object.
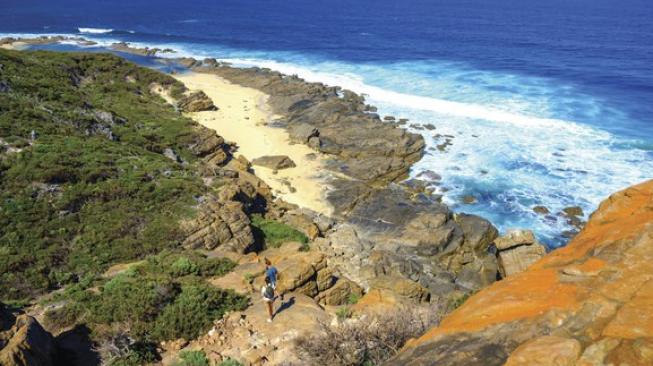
(573, 211)
(274, 162)
(188, 62)
(542, 210)
(389, 118)
(430, 175)
(144, 51)
(196, 102)
(469, 199)
(429, 127)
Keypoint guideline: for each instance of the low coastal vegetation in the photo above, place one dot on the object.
(272, 233)
(84, 179)
(162, 298)
(369, 340)
(192, 358)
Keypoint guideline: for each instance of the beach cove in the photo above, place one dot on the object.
(243, 116)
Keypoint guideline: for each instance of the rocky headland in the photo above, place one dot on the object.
(588, 303)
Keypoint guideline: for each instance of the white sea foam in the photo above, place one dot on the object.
(95, 30)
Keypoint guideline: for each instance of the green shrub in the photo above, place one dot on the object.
(230, 362)
(179, 264)
(192, 358)
(344, 313)
(139, 353)
(455, 302)
(272, 233)
(155, 305)
(353, 299)
(183, 266)
(194, 311)
(79, 199)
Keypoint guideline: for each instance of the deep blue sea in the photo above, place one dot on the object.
(549, 102)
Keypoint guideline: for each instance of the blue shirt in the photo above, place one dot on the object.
(271, 272)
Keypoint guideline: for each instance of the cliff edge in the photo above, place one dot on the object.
(589, 303)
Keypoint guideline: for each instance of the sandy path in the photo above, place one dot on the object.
(241, 118)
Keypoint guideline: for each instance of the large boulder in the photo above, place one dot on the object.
(517, 250)
(340, 293)
(302, 132)
(401, 286)
(274, 162)
(588, 303)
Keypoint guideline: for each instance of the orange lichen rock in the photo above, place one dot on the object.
(595, 294)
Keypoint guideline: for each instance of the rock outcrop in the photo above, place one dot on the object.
(144, 51)
(23, 342)
(412, 237)
(196, 102)
(219, 223)
(588, 303)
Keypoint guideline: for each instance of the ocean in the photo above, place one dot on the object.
(544, 102)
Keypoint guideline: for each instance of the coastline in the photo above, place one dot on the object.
(389, 241)
(394, 149)
(242, 117)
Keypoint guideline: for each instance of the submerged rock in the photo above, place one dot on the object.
(542, 210)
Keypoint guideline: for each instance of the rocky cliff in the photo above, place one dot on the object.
(589, 303)
(23, 341)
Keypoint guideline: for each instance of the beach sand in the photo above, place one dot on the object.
(14, 46)
(241, 118)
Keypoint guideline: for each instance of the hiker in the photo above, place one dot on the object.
(271, 272)
(267, 292)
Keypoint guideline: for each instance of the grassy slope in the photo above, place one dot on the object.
(74, 200)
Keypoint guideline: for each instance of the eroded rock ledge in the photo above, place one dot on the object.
(589, 303)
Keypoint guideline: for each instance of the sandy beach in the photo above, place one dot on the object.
(242, 118)
(14, 46)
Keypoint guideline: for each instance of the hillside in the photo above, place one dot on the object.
(84, 176)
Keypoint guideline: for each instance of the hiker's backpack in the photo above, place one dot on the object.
(269, 292)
